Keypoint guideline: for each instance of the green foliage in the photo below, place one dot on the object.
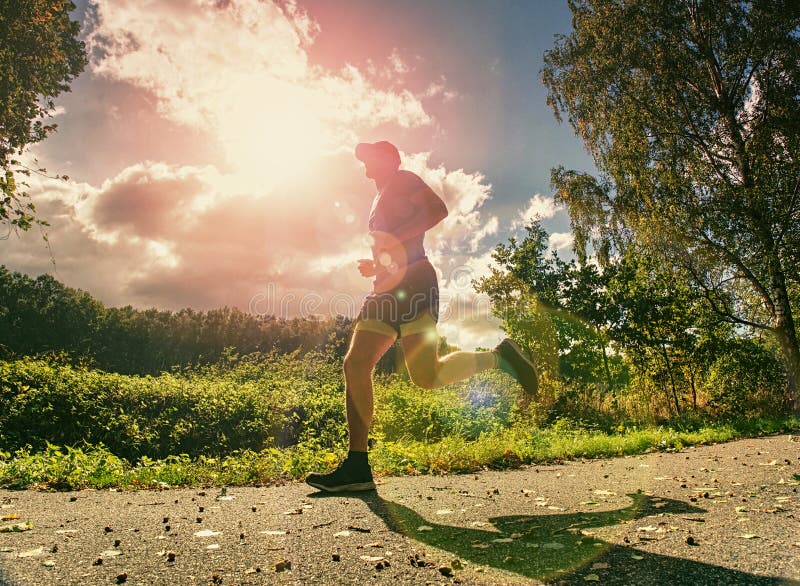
(144, 416)
(739, 388)
(62, 468)
(690, 112)
(629, 339)
(259, 419)
(40, 55)
(467, 410)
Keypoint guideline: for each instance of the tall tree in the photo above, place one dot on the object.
(691, 111)
(40, 54)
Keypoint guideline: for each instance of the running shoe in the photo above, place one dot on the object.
(514, 361)
(344, 479)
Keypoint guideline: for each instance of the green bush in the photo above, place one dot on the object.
(211, 411)
(746, 381)
(480, 405)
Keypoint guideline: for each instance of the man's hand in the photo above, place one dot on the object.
(366, 266)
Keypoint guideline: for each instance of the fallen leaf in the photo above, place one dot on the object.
(599, 566)
(31, 553)
(10, 517)
(374, 544)
(282, 565)
(372, 558)
(591, 578)
(444, 512)
(502, 540)
(637, 557)
(480, 545)
(749, 536)
(110, 553)
(49, 563)
(342, 534)
(424, 528)
(552, 545)
(213, 546)
(604, 493)
(14, 528)
(207, 533)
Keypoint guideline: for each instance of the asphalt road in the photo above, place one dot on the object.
(721, 514)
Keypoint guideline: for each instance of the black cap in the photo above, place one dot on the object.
(370, 151)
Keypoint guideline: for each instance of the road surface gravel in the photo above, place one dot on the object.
(719, 514)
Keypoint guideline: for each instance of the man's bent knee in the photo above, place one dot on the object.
(424, 379)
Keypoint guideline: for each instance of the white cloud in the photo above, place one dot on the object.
(287, 210)
(464, 194)
(174, 236)
(240, 69)
(539, 207)
(560, 240)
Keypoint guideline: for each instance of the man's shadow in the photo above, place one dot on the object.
(562, 546)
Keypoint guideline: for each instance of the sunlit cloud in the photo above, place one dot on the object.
(240, 69)
(464, 193)
(277, 221)
(560, 240)
(540, 207)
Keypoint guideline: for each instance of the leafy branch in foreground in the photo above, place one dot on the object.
(40, 54)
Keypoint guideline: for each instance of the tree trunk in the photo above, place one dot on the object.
(787, 338)
(694, 389)
(607, 370)
(668, 364)
(785, 329)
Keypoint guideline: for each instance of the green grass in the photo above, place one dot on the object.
(96, 467)
(267, 418)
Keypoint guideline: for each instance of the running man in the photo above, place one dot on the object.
(404, 304)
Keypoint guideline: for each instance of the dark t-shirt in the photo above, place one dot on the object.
(393, 207)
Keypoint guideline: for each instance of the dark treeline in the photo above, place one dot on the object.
(42, 315)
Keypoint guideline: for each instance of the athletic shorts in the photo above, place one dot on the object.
(410, 306)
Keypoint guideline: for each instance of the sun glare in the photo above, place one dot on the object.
(274, 133)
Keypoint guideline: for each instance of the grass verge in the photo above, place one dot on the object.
(69, 468)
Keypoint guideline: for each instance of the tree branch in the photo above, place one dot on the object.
(735, 260)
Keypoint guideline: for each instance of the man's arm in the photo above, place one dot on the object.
(429, 210)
